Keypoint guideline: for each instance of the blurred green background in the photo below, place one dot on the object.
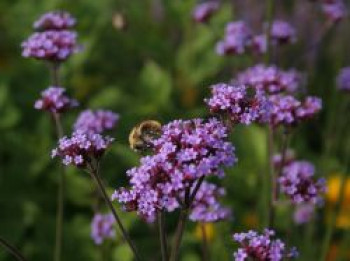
(159, 66)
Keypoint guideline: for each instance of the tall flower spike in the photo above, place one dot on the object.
(235, 102)
(81, 148)
(288, 111)
(56, 20)
(298, 183)
(184, 152)
(206, 206)
(51, 45)
(261, 247)
(96, 121)
(102, 228)
(204, 11)
(270, 79)
(343, 79)
(54, 100)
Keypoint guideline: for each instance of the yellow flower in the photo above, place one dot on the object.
(333, 189)
(208, 228)
(333, 186)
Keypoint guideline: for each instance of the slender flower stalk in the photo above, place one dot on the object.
(54, 69)
(12, 250)
(93, 170)
(162, 235)
(205, 245)
(271, 176)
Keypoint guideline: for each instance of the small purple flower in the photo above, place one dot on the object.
(282, 32)
(96, 121)
(270, 79)
(81, 148)
(287, 110)
(206, 207)
(261, 247)
(50, 45)
(343, 79)
(298, 183)
(186, 151)
(203, 11)
(235, 102)
(102, 228)
(236, 40)
(54, 100)
(335, 10)
(303, 213)
(259, 44)
(56, 20)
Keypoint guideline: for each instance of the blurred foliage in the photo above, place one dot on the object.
(158, 67)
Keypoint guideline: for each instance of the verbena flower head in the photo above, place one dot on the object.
(298, 183)
(203, 11)
(81, 148)
(261, 247)
(236, 40)
(288, 111)
(102, 228)
(235, 102)
(56, 20)
(185, 151)
(270, 78)
(282, 32)
(50, 45)
(334, 10)
(96, 121)
(54, 100)
(206, 206)
(343, 79)
(303, 213)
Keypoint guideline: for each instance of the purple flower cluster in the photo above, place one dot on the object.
(81, 148)
(335, 10)
(50, 45)
(185, 151)
(282, 32)
(261, 247)
(343, 79)
(270, 78)
(102, 228)
(54, 100)
(206, 207)
(298, 183)
(56, 20)
(303, 213)
(203, 11)
(236, 102)
(236, 40)
(287, 110)
(96, 121)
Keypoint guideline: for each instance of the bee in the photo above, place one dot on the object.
(142, 134)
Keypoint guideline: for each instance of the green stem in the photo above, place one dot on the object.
(94, 171)
(189, 198)
(205, 245)
(179, 233)
(54, 68)
(12, 250)
(162, 235)
(271, 177)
